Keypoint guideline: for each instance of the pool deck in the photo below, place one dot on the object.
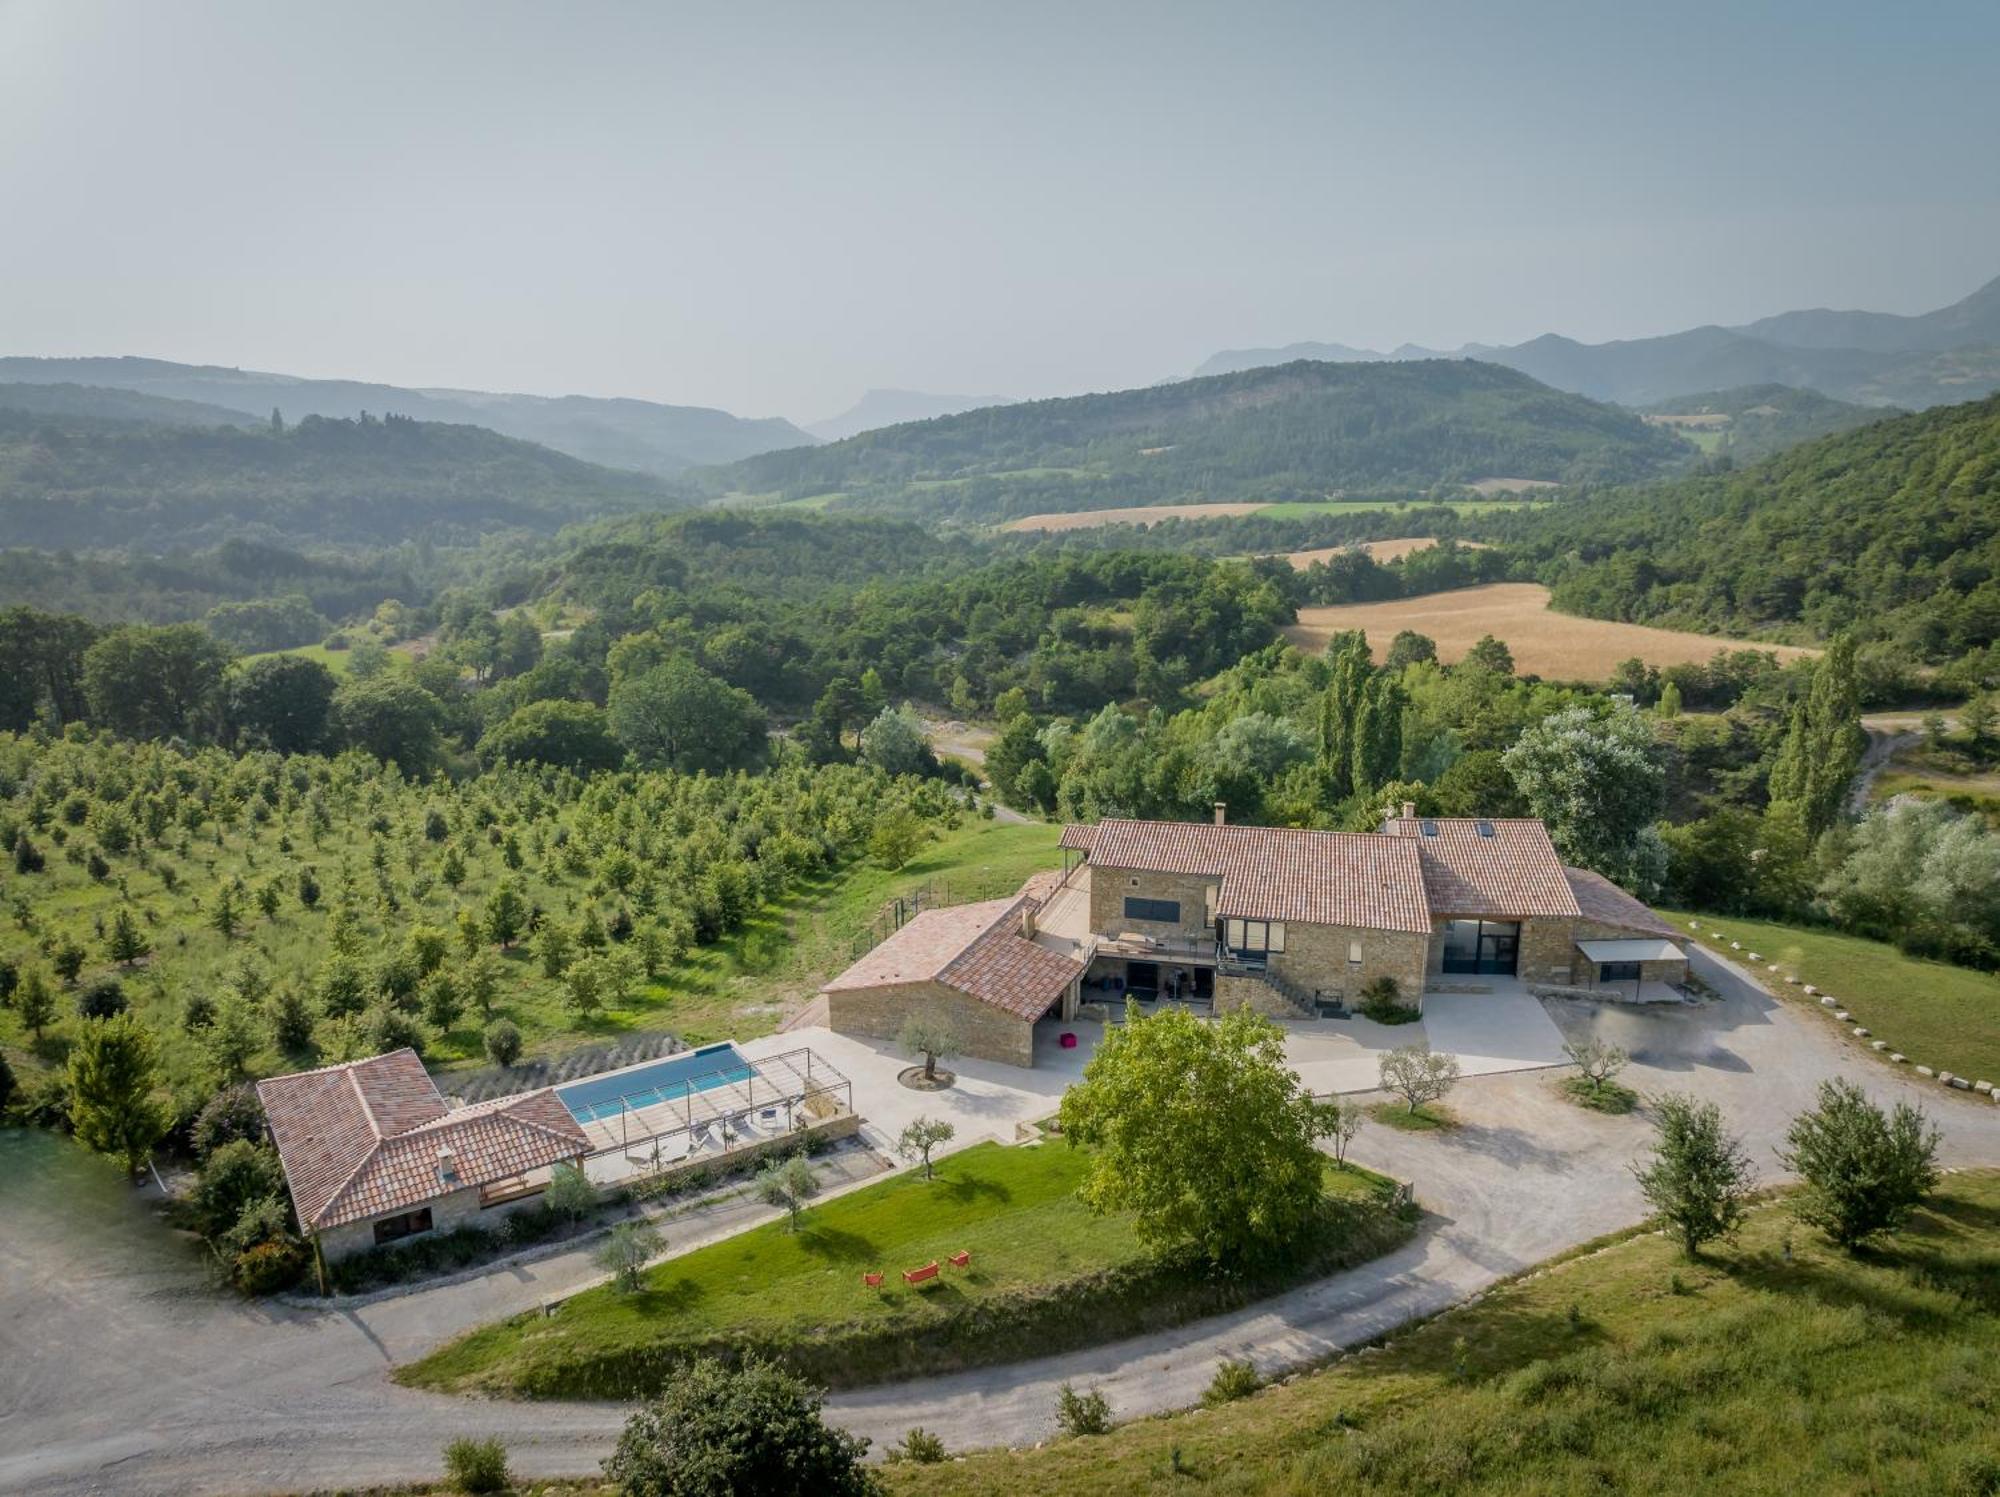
(714, 1118)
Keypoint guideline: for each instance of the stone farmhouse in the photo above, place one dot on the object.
(373, 1152)
(1290, 922)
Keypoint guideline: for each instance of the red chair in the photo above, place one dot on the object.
(921, 1275)
(872, 1280)
(961, 1259)
(1068, 1041)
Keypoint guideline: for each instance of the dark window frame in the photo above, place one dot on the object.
(1137, 907)
(403, 1224)
(1618, 972)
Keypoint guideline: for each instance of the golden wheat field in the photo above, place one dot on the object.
(1380, 550)
(1137, 514)
(1543, 643)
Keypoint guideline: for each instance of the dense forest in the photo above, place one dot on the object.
(1299, 431)
(1892, 529)
(1758, 421)
(75, 482)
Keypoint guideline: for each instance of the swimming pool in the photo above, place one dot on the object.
(661, 1081)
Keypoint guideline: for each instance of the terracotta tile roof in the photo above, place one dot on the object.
(1275, 873)
(1603, 901)
(976, 949)
(1512, 874)
(361, 1140)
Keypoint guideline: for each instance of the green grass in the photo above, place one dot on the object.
(1429, 1118)
(1298, 508)
(1625, 1369)
(1609, 1098)
(1940, 1016)
(1045, 1271)
(1975, 795)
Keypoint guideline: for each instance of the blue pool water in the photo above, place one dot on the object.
(662, 1081)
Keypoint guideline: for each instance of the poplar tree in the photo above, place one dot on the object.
(1823, 742)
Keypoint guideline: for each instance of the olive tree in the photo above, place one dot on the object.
(789, 1183)
(1418, 1074)
(921, 1137)
(1864, 1171)
(933, 1038)
(1697, 1178)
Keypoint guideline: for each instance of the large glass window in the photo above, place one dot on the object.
(1489, 947)
(1162, 911)
(1617, 971)
(1253, 939)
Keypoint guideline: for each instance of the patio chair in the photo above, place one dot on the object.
(872, 1280)
(921, 1275)
(961, 1259)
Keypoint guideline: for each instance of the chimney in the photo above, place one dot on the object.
(447, 1166)
(1409, 810)
(1028, 921)
(1222, 813)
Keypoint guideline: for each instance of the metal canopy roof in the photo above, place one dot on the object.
(1631, 951)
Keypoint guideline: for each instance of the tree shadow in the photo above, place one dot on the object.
(838, 1245)
(962, 1190)
(675, 1298)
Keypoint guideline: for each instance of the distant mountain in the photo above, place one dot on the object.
(880, 408)
(1893, 528)
(1758, 420)
(637, 434)
(116, 405)
(1296, 431)
(88, 482)
(1873, 358)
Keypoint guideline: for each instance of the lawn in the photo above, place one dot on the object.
(1940, 1016)
(1045, 1272)
(1776, 1365)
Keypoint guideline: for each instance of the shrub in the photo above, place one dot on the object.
(1698, 1179)
(234, 1176)
(1232, 1380)
(232, 1115)
(1864, 1171)
(753, 1428)
(476, 1465)
(503, 1042)
(1382, 1001)
(919, 1448)
(103, 998)
(1082, 1413)
(570, 1193)
(269, 1267)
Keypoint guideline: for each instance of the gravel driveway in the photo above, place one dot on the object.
(111, 1382)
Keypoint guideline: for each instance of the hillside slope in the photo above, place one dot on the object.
(1301, 430)
(86, 482)
(100, 402)
(1875, 358)
(1756, 421)
(1893, 527)
(637, 434)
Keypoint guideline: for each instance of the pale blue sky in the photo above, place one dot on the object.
(771, 207)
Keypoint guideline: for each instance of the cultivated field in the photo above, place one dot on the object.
(1138, 514)
(1543, 643)
(1512, 485)
(1383, 551)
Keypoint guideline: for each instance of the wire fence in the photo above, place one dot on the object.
(931, 894)
(553, 1070)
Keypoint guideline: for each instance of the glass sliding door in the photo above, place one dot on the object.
(1489, 948)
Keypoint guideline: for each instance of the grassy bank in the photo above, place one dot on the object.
(1045, 1274)
(1624, 1370)
(1940, 1016)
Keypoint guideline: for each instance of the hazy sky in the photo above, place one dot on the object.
(769, 208)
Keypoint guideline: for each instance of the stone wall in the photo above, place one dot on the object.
(1674, 972)
(1548, 950)
(457, 1208)
(985, 1032)
(1315, 960)
(1109, 888)
(1233, 991)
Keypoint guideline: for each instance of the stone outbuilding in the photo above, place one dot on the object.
(373, 1153)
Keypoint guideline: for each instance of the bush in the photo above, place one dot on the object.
(1233, 1380)
(269, 1267)
(1082, 1413)
(232, 1115)
(1864, 1172)
(1382, 1001)
(235, 1176)
(102, 999)
(919, 1448)
(503, 1042)
(570, 1193)
(6, 1082)
(476, 1465)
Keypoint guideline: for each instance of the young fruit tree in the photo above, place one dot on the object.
(933, 1038)
(1864, 1171)
(1698, 1179)
(1596, 1061)
(1200, 1130)
(922, 1136)
(1418, 1074)
(626, 1251)
(1344, 1119)
(790, 1183)
(113, 1068)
